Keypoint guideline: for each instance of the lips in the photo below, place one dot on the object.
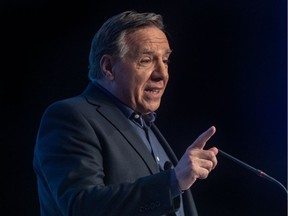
(153, 93)
(153, 90)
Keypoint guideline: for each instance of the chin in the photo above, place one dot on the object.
(152, 109)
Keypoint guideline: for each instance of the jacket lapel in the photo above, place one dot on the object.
(165, 145)
(115, 117)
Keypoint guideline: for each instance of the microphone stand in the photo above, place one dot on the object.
(256, 171)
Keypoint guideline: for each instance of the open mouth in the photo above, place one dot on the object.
(153, 91)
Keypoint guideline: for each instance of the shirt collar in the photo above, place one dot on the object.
(142, 120)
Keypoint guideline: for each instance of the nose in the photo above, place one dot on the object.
(160, 70)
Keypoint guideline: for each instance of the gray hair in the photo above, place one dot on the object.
(110, 38)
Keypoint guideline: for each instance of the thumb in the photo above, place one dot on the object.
(203, 138)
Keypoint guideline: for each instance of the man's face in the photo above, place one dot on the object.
(140, 78)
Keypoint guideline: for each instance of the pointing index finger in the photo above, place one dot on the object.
(203, 138)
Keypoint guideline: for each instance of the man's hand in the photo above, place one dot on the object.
(196, 162)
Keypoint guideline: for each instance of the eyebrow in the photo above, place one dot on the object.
(149, 52)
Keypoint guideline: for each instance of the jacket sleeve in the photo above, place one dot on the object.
(70, 164)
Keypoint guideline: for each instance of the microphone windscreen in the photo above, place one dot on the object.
(167, 165)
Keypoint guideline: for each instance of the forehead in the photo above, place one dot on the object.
(148, 39)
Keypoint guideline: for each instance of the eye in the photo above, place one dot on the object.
(145, 60)
(166, 61)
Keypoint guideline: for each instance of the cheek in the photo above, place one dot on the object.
(139, 85)
(133, 79)
(130, 86)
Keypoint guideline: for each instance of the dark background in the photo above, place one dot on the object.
(228, 69)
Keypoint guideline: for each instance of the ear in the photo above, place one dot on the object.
(106, 67)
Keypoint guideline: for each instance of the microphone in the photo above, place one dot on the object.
(167, 165)
(256, 171)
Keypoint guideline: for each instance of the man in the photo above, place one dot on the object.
(100, 153)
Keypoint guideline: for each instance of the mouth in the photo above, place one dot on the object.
(153, 91)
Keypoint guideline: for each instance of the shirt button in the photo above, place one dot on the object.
(136, 116)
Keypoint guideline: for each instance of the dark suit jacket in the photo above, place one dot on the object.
(89, 161)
